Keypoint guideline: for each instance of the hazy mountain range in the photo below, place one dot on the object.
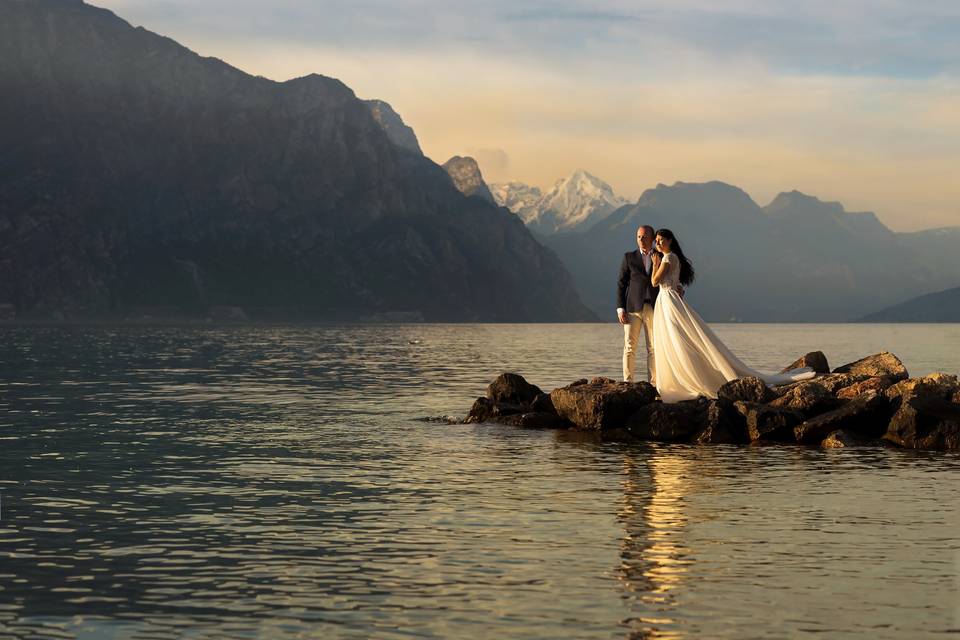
(942, 306)
(796, 259)
(137, 174)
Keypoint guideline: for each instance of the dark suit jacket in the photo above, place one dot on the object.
(633, 286)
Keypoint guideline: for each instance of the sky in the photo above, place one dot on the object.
(856, 101)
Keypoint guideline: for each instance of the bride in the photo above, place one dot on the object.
(691, 361)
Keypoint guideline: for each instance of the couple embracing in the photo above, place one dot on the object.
(685, 358)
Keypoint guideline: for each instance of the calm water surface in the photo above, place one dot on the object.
(282, 483)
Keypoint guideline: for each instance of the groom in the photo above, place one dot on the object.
(635, 298)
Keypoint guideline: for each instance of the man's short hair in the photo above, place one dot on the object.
(647, 227)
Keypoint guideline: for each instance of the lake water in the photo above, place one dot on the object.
(280, 482)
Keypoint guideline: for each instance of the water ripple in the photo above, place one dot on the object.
(281, 482)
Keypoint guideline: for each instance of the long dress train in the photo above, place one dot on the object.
(690, 359)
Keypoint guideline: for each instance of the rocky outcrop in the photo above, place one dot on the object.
(510, 388)
(879, 384)
(769, 423)
(602, 403)
(866, 416)
(834, 410)
(809, 398)
(666, 422)
(881, 364)
(746, 390)
(925, 422)
(466, 176)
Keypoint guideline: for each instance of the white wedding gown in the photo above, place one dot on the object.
(689, 359)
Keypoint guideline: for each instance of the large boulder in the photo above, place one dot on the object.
(809, 398)
(866, 415)
(746, 390)
(721, 423)
(769, 423)
(834, 382)
(667, 422)
(878, 383)
(935, 385)
(815, 360)
(880, 364)
(925, 421)
(513, 389)
(601, 403)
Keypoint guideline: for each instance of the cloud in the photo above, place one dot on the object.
(863, 37)
(494, 163)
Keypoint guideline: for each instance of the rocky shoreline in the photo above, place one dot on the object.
(870, 402)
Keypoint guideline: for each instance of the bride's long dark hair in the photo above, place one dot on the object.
(686, 267)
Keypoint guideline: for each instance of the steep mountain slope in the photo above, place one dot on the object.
(396, 129)
(135, 173)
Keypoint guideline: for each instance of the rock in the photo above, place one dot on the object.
(466, 177)
(601, 404)
(722, 424)
(878, 384)
(769, 423)
(667, 422)
(536, 420)
(956, 398)
(925, 421)
(834, 382)
(880, 364)
(815, 360)
(486, 410)
(512, 388)
(746, 390)
(543, 404)
(938, 385)
(866, 415)
(809, 398)
(841, 439)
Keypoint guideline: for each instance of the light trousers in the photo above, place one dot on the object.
(637, 320)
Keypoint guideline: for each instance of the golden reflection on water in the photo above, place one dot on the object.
(654, 561)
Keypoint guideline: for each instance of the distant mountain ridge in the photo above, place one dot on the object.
(941, 306)
(573, 203)
(139, 175)
(798, 259)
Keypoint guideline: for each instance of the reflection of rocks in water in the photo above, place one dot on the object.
(653, 556)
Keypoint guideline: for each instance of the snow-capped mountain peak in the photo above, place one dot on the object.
(577, 201)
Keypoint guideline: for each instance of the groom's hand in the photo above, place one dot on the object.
(622, 316)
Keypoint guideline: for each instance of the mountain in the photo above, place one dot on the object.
(391, 122)
(466, 177)
(516, 196)
(797, 259)
(135, 174)
(935, 248)
(942, 306)
(575, 202)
